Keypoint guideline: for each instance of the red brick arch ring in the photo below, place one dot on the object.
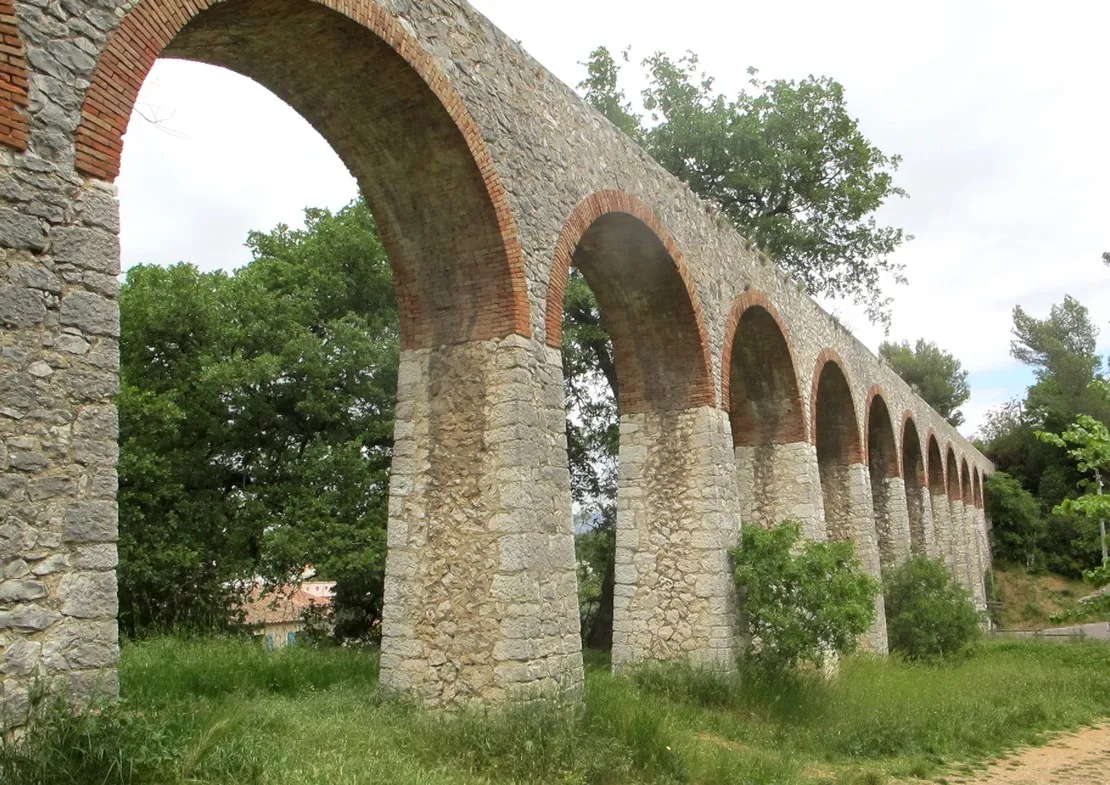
(825, 357)
(13, 81)
(594, 207)
(923, 447)
(151, 25)
(876, 391)
(751, 298)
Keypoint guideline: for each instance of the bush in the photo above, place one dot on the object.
(801, 601)
(928, 615)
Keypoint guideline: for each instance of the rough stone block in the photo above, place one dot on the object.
(89, 595)
(94, 521)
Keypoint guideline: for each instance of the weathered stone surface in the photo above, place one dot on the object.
(21, 306)
(672, 596)
(91, 522)
(90, 312)
(20, 591)
(20, 230)
(89, 595)
(90, 249)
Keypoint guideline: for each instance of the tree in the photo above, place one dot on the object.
(1087, 442)
(801, 600)
(928, 615)
(256, 417)
(934, 374)
(1062, 350)
(784, 160)
(1017, 525)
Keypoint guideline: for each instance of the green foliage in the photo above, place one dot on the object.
(934, 374)
(801, 600)
(928, 615)
(310, 716)
(1098, 577)
(595, 551)
(256, 418)
(1062, 351)
(784, 160)
(1017, 525)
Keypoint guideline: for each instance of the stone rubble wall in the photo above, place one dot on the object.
(861, 512)
(673, 596)
(780, 482)
(892, 521)
(481, 598)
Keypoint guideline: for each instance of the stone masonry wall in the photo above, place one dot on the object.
(673, 597)
(480, 598)
(778, 482)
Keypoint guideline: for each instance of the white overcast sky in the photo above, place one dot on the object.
(1000, 110)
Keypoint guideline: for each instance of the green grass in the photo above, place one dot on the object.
(226, 711)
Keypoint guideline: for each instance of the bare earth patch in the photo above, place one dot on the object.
(1081, 758)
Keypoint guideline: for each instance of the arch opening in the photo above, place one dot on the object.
(454, 522)
(665, 402)
(450, 239)
(767, 421)
(838, 448)
(887, 489)
(913, 471)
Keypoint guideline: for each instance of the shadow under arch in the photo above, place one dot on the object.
(916, 480)
(390, 114)
(888, 491)
(675, 497)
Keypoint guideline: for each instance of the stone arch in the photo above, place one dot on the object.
(647, 299)
(917, 484)
(417, 154)
(845, 482)
(13, 81)
(462, 529)
(977, 488)
(675, 499)
(760, 392)
(759, 383)
(935, 465)
(837, 441)
(888, 492)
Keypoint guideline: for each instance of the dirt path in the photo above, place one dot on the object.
(1081, 758)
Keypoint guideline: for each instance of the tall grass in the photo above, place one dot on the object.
(227, 711)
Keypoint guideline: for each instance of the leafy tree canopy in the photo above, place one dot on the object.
(934, 374)
(256, 418)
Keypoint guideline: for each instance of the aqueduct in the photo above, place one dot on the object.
(739, 397)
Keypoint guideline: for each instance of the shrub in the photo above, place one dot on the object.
(801, 600)
(927, 614)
